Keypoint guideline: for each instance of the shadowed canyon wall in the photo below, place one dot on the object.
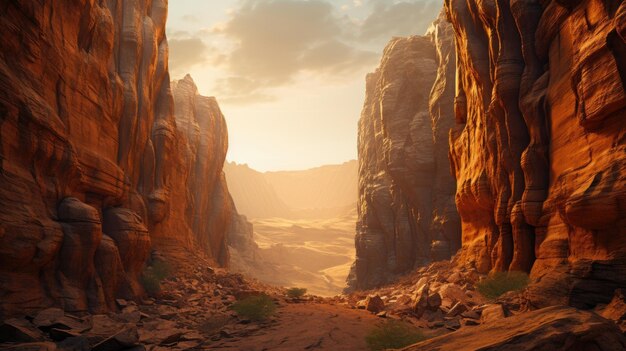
(96, 165)
(539, 153)
(407, 215)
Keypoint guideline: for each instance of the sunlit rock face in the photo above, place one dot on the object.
(198, 182)
(91, 154)
(539, 153)
(407, 215)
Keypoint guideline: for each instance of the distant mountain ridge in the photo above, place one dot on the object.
(320, 192)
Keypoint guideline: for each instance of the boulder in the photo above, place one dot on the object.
(374, 303)
(553, 328)
(492, 313)
(420, 301)
(616, 310)
(19, 330)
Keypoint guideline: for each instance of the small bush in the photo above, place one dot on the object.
(498, 283)
(151, 284)
(153, 276)
(255, 308)
(393, 334)
(296, 293)
(161, 269)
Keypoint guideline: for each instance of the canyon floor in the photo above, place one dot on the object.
(194, 311)
(312, 253)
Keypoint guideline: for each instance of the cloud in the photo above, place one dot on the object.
(186, 51)
(263, 45)
(403, 18)
(278, 39)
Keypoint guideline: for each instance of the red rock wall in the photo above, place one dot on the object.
(198, 181)
(92, 155)
(407, 215)
(539, 153)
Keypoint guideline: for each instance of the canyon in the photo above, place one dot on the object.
(494, 143)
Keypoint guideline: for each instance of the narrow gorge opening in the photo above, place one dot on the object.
(292, 95)
(369, 175)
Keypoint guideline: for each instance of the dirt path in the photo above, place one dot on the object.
(304, 326)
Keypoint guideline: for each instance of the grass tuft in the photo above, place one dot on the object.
(393, 334)
(296, 293)
(498, 283)
(153, 275)
(255, 308)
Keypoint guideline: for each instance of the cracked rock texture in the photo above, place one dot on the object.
(407, 214)
(96, 166)
(539, 152)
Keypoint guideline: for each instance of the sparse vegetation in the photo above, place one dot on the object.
(498, 283)
(393, 334)
(153, 276)
(296, 293)
(255, 308)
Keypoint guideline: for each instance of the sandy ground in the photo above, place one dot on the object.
(307, 326)
(314, 254)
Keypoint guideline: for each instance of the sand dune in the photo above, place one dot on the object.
(315, 254)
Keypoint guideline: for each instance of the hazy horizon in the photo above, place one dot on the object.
(289, 75)
(294, 169)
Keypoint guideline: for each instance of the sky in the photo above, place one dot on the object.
(289, 75)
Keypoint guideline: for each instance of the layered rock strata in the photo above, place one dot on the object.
(95, 169)
(204, 203)
(407, 215)
(539, 153)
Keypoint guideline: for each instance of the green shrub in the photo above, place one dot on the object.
(498, 283)
(151, 284)
(393, 334)
(255, 308)
(153, 275)
(296, 293)
(161, 269)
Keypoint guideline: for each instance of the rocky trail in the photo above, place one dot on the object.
(303, 326)
(193, 312)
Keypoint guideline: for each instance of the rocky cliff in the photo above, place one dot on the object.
(203, 203)
(539, 149)
(407, 214)
(95, 165)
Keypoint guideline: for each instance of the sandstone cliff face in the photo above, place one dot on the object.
(539, 152)
(204, 203)
(94, 165)
(406, 208)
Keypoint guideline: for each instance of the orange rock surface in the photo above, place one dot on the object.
(539, 152)
(96, 166)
